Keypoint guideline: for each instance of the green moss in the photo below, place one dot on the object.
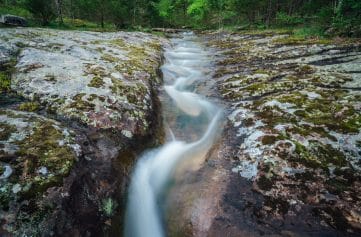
(224, 44)
(139, 59)
(324, 114)
(307, 130)
(109, 58)
(232, 60)
(294, 40)
(262, 71)
(6, 130)
(155, 46)
(132, 98)
(96, 82)
(92, 97)
(118, 87)
(318, 155)
(109, 206)
(326, 111)
(29, 106)
(273, 117)
(4, 82)
(81, 104)
(42, 149)
(305, 157)
(96, 70)
(305, 69)
(118, 42)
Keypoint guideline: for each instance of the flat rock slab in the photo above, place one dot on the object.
(104, 80)
(297, 120)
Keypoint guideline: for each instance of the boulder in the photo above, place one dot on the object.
(13, 20)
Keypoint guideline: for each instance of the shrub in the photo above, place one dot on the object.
(288, 20)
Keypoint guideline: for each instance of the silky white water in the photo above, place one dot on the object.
(186, 63)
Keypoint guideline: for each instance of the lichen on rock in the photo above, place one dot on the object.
(296, 112)
(35, 154)
(120, 70)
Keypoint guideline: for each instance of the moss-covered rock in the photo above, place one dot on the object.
(29, 106)
(297, 114)
(103, 85)
(116, 75)
(35, 154)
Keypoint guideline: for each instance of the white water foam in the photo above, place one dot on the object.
(156, 168)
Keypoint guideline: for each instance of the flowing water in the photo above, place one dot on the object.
(196, 124)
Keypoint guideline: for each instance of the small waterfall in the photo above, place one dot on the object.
(185, 63)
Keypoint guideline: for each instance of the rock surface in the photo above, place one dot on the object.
(68, 176)
(101, 80)
(297, 120)
(289, 161)
(36, 153)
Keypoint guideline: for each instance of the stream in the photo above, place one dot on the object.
(192, 123)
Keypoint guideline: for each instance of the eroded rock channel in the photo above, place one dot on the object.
(78, 108)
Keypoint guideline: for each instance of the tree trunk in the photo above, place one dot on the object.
(59, 6)
(102, 12)
(134, 11)
(102, 19)
(269, 12)
(184, 12)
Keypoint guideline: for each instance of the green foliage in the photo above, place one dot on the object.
(198, 9)
(288, 20)
(310, 31)
(14, 10)
(325, 15)
(41, 9)
(338, 17)
(347, 18)
(164, 8)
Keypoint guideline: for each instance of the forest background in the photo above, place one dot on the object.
(309, 17)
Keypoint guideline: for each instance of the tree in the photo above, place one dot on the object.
(119, 12)
(41, 9)
(198, 10)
